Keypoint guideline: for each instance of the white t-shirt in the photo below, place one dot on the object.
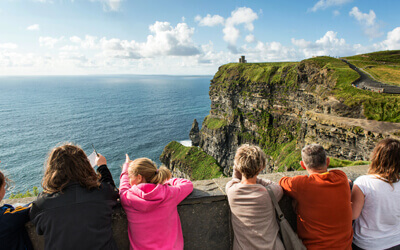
(378, 226)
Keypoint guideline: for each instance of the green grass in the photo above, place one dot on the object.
(235, 74)
(380, 107)
(35, 192)
(198, 164)
(214, 123)
(338, 163)
(384, 66)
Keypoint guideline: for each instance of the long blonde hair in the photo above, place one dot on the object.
(148, 170)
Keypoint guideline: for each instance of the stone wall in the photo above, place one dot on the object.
(204, 214)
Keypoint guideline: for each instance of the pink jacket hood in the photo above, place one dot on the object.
(148, 196)
(151, 210)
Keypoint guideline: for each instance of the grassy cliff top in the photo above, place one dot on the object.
(384, 66)
(377, 106)
(254, 72)
(199, 164)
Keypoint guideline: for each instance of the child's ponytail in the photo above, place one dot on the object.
(161, 176)
(148, 169)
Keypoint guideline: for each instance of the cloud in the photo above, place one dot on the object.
(8, 46)
(328, 45)
(367, 21)
(109, 5)
(89, 42)
(392, 41)
(250, 38)
(49, 42)
(336, 13)
(164, 40)
(33, 27)
(69, 48)
(324, 4)
(243, 15)
(169, 40)
(209, 20)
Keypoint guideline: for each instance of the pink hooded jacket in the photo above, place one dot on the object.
(153, 219)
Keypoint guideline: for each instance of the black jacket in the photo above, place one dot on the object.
(77, 218)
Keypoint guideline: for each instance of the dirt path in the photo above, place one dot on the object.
(364, 82)
(369, 125)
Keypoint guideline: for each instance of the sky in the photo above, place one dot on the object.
(185, 37)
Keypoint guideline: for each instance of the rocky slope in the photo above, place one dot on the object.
(282, 107)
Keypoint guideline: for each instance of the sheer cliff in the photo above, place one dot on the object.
(283, 106)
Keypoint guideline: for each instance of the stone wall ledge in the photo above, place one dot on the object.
(204, 214)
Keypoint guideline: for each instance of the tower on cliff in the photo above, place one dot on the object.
(242, 60)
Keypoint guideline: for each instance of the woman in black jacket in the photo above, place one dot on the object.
(74, 210)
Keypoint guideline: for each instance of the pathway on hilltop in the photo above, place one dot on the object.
(369, 125)
(364, 82)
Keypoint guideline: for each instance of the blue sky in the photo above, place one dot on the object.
(79, 37)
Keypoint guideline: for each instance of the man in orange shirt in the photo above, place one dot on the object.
(323, 202)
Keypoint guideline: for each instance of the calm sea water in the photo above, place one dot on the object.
(138, 115)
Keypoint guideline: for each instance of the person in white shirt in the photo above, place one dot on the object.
(376, 200)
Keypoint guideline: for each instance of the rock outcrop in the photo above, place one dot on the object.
(194, 134)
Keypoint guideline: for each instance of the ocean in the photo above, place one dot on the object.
(133, 114)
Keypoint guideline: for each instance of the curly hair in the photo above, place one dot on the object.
(249, 160)
(385, 160)
(65, 164)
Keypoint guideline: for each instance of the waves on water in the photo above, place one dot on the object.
(138, 115)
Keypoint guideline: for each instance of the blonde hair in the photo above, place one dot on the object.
(385, 160)
(68, 163)
(249, 160)
(148, 170)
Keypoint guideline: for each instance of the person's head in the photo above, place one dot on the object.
(385, 160)
(249, 160)
(4, 184)
(314, 158)
(144, 170)
(68, 163)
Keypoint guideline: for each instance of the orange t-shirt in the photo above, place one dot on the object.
(324, 213)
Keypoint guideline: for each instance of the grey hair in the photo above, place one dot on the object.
(314, 156)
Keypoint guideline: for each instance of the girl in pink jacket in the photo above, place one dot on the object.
(150, 197)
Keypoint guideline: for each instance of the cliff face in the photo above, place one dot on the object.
(282, 107)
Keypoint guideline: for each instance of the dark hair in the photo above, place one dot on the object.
(4, 180)
(68, 163)
(314, 156)
(385, 160)
(148, 169)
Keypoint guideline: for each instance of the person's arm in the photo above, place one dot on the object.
(102, 168)
(288, 185)
(183, 187)
(124, 185)
(236, 174)
(16, 217)
(357, 201)
(236, 178)
(276, 189)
